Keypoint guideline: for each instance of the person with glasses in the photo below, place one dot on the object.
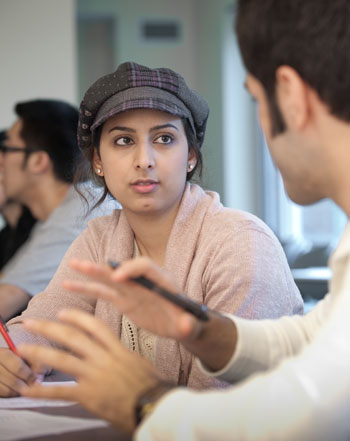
(17, 219)
(38, 159)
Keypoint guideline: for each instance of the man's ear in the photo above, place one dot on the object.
(292, 97)
(39, 162)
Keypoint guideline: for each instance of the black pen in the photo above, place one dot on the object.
(188, 305)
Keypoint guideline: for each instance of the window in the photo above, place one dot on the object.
(252, 182)
(318, 225)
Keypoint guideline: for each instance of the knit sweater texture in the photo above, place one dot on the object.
(225, 258)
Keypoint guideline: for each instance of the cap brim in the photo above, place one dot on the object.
(141, 98)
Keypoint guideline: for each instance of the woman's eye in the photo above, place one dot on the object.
(123, 140)
(164, 139)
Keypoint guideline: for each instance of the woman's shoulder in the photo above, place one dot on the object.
(104, 224)
(229, 219)
(205, 208)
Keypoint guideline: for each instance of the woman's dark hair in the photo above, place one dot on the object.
(86, 169)
(311, 36)
(51, 126)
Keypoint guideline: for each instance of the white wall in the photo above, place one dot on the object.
(37, 52)
(128, 46)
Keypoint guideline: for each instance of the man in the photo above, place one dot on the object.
(296, 370)
(38, 160)
(17, 219)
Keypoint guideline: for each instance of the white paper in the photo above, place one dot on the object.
(24, 402)
(21, 424)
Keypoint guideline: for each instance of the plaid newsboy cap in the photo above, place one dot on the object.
(133, 86)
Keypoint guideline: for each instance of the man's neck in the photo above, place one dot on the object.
(47, 197)
(333, 142)
(340, 191)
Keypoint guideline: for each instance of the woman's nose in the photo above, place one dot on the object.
(144, 156)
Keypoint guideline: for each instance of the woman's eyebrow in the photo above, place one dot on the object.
(163, 126)
(122, 129)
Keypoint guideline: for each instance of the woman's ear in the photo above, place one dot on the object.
(97, 164)
(192, 159)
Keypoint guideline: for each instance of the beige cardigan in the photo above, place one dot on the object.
(227, 259)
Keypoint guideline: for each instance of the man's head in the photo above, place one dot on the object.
(297, 54)
(45, 129)
(311, 36)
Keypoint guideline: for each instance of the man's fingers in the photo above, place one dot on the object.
(91, 325)
(36, 390)
(189, 328)
(90, 269)
(57, 359)
(70, 337)
(143, 266)
(94, 289)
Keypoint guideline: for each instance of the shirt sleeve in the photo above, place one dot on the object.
(32, 268)
(34, 265)
(262, 344)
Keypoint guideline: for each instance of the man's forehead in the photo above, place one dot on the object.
(15, 130)
(16, 126)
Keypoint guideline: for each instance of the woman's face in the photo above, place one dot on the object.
(144, 159)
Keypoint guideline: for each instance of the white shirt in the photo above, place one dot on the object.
(303, 392)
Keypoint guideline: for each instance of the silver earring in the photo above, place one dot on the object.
(98, 171)
(190, 167)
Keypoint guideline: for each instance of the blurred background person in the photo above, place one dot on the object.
(38, 161)
(17, 222)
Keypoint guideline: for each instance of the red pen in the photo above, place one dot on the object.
(4, 332)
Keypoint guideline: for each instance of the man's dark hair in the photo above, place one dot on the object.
(311, 36)
(51, 125)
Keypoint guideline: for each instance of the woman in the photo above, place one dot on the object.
(142, 130)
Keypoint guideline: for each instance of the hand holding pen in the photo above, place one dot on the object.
(188, 305)
(142, 291)
(14, 372)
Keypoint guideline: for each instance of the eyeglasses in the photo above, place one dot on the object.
(9, 149)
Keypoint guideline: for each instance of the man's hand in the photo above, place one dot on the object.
(144, 307)
(109, 377)
(14, 374)
(213, 342)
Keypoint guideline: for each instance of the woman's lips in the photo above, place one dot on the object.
(147, 186)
